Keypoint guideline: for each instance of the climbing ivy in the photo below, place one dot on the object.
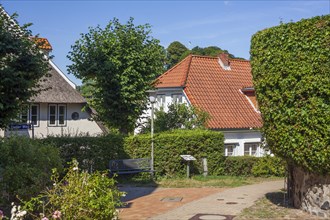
(291, 73)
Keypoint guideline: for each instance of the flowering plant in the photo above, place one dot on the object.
(79, 195)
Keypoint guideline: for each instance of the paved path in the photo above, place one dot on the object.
(196, 203)
(229, 202)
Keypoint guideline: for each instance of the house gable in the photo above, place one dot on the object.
(216, 90)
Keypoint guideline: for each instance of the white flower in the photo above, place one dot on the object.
(75, 168)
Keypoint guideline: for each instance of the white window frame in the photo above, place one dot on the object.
(61, 115)
(160, 100)
(57, 115)
(249, 151)
(177, 98)
(227, 153)
(37, 115)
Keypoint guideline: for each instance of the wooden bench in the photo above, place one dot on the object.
(130, 166)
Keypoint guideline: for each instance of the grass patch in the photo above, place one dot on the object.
(194, 182)
(265, 209)
(273, 206)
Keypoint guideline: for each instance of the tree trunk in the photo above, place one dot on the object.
(309, 191)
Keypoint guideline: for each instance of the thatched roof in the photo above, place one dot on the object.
(58, 89)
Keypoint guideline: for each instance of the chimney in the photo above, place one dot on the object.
(43, 44)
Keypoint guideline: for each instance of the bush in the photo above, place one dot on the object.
(290, 67)
(168, 146)
(25, 167)
(239, 166)
(78, 195)
(269, 166)
(92, 153)
(253, 166)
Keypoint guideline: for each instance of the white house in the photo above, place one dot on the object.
(57, 109)
(222, 87)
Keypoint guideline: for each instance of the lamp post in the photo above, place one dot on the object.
(152, 100)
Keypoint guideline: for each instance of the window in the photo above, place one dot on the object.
(29, 114)
(177, 98)
(229, 149)
(56, 115)
(61, 114)
(34, 115)
(24, 116)
(160, 100)
(52, 115)
(251, 149)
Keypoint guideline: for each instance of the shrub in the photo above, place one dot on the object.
(78, 195)
(269, 166)
(290, 67)
(25, 167)
(92, 153)
(239, 166)
(168, 146)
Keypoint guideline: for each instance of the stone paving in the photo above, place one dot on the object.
(151, 204)
(196, 203)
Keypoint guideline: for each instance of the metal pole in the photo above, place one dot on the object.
(188, 169)
(152, 138)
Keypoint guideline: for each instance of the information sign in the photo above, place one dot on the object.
(187, 157)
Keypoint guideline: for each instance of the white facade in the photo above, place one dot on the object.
(243, 142)
(238, 142)
(68, 119)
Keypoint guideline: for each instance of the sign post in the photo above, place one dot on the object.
(188, 158)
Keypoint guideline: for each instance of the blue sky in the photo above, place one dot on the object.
(226, 24)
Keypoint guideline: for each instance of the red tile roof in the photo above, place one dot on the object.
(215, 90)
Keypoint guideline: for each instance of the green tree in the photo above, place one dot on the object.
(290, 67)
(21, 67)
(212, 51)
(174, 53)
(122, 60)
(178, 116)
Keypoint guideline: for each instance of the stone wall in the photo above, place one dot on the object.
(309, 191)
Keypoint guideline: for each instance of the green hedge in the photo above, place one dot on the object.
(269, 166)
(290, 67)
(239, 166)
(92, 153)
(253, 166)
(168, 146)
(25, 168)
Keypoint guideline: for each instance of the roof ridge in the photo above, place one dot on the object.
(211, 57)
(188, 70)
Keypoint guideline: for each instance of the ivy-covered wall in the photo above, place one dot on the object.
(291, 73)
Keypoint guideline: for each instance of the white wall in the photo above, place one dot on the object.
(240, 137)
(82, 126)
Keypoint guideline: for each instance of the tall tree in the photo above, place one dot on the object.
(121, 60)
(174, 53)
(21, 67)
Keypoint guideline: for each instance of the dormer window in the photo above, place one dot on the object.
(224, 61)
(249, 92)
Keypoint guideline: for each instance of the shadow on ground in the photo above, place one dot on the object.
(279, 198)
(135, 186)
